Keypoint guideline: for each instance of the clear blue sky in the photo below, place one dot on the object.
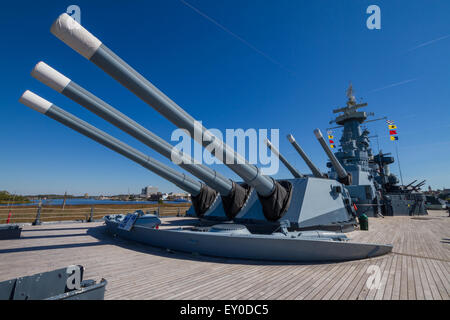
(281, 64)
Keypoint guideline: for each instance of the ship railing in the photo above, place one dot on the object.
(21, 214)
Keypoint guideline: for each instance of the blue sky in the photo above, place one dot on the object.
(268, 64)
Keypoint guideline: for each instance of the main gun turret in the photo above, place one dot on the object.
(343, 176)
(274, 197)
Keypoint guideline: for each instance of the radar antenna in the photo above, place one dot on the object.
(350, 96)
(351, 105)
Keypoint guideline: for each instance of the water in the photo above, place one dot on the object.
(57, 202)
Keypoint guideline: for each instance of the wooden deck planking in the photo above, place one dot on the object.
(313, 282)
(351, 271)
(438, 285)
(297, 282)
(320, 282)
(418, 268)
(332, 281)
(298, 285)
(345, 291)
(378, 294)
(387, 294)
(369, 294)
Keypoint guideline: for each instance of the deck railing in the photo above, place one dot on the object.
(28, 214)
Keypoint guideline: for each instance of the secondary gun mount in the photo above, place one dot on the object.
(195, 188)
(419, 185)
(274, 196)
(410, 184)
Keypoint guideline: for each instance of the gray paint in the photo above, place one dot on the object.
(316, 172)
(52, 285)
(336, 164)
(291, 168)
(112, 115)
(179, 179)
(113, 65)
(314, 203)
(374, 188)
(274, 247)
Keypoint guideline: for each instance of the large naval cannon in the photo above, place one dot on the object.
(259, 193)
(195, 188)
(266, 219)
(273, 194)
(231, 193)
(286, 163)
(342, 175)
(315, 171)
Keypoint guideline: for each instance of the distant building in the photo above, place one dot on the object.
(148, 191)
(179, 196)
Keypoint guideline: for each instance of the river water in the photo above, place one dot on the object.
(85, 202)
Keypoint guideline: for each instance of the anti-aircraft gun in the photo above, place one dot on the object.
(397, 199)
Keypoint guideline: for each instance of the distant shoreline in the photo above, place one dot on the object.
(89, 202)
(55, 212)
(3, 202)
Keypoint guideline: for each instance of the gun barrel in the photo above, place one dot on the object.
(82, 41)
(72, 90)
(410, 183)
(421, 183)
(49, 109)
(293, 171)
(341, 172)
(315, 171)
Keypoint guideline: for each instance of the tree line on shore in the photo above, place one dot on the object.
(6, 197)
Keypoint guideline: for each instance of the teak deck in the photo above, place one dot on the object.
(418, 268)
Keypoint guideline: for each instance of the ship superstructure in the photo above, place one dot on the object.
(373, 188)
